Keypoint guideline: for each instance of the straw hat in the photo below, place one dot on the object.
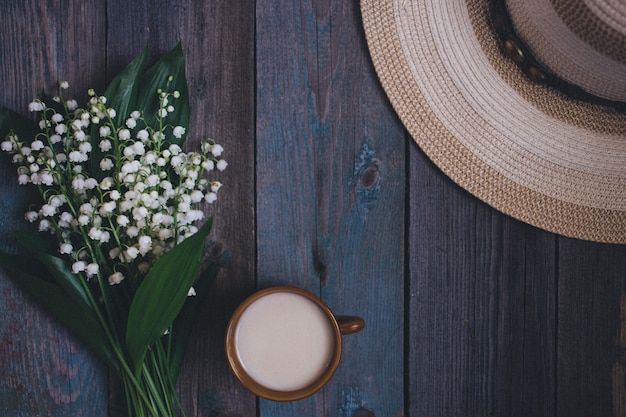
(469, 96)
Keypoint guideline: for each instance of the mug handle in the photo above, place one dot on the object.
(350, 324)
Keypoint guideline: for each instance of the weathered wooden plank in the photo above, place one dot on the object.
(525, 384)
(43, 370)
(219, 43)
(481, 305)
(330, 188)
(218, 40)
(363, 227)
(591, 329)
(132, 26)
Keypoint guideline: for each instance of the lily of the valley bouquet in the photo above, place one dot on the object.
(120, 204)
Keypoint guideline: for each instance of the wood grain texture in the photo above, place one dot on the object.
(219, 45)
(43, 369)
(330, 190)
(591, 329)
(481, 305)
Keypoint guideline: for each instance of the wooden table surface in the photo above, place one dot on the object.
(468, 312)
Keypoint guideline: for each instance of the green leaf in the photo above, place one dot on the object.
(51, 103)
(162, 293)
(183, 325)
(79, 319)
(171, 64)
(22, 126)
(123, 88)
(57, 267)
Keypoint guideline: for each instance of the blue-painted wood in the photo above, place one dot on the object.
(330, 186)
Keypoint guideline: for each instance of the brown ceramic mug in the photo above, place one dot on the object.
(283, 343)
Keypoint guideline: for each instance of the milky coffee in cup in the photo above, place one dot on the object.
(284, 343)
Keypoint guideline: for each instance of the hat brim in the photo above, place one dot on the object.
(522, 148)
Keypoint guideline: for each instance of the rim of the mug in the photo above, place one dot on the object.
(251, 384)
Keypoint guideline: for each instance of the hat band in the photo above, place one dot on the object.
(517, 50)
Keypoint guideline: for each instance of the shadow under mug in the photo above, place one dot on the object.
(336, 327)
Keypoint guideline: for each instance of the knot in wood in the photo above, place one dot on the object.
(217, 253)
(216, 250)
(369, 177)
